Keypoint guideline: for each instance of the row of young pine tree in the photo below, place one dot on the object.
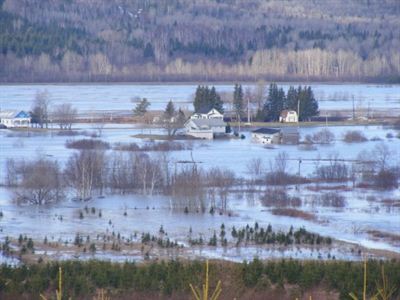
(300, 99)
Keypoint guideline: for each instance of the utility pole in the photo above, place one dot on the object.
(298, 111)
(248, 110)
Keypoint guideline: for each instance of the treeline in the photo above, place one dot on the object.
(55, 40)
(283, 279)
(260, 103)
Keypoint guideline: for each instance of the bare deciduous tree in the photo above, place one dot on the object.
(38, 181)
(85, 171)
(255, 168)
(40, 109)
(65, 115)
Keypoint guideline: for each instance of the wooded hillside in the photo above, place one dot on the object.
(119, 40)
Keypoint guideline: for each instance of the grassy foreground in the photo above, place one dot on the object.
(285, 279)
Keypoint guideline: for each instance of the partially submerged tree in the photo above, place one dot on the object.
(40, 109)
(85, 172)
(64, 115)
(38, 181)
(172, 120)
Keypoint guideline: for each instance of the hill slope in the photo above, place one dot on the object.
(119, 40)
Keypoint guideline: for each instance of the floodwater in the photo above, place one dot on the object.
(364, 210)
(147, 214)
(117, 97)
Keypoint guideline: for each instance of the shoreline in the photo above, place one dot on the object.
(199, 82)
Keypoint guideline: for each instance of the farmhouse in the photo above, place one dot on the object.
(212, 114)
(266, 135)
(288, 116)
(285, 135)
(206, 125)
(15, 118)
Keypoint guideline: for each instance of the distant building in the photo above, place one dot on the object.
(288, 116)
(285, 135)
(290, 135)
(206, 125)
(212, 114)
(266, 135)
(15, 118)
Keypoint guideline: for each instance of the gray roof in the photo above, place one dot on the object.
(208, 122)
(8, 114)
(267, 130)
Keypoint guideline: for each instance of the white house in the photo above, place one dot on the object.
(15, 118)
(288, 116)
(212, 114)
(206, 125)
(266, 136)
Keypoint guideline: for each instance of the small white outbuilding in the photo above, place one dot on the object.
(15, 118)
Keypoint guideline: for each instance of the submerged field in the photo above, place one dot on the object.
(113, 226)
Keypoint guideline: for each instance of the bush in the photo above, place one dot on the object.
(279, 198)
(161, 146)
(282, 178)
(334, 172)
(294, 213)
(386, 179)
(354, 136)
(332, 199)
(323, 136)
(87, 144)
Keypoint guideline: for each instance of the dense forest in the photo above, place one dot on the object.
(152, 40)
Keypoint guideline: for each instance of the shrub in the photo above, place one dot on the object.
(323, 136)
(386, 179)
(161, 146)
(335, 171)
(333, 199)
(295, 213)
(354, 136)
(279, 198)
(87, 144)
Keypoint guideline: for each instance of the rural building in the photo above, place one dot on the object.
(285, 135)
(212, 114)
(15, 118)
(290, 135)
(288, 116)
(267, 135)
(206, 125)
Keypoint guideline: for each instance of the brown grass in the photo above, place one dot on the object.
(384, 235)
(328, 188)
(294, 213)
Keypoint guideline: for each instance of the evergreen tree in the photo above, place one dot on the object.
(216, 100)
(141, 108)
(148, 51)
(311, 107)
(291, 99)
(172, 120)
(308, 105)
(207, 99)
(169, 112)
(238, 104)
(275, 103)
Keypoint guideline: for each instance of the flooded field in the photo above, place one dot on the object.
(117, 97)
(367, 223)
